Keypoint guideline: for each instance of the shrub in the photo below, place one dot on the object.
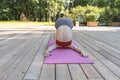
(116, 15)
(92, 17)
(110, 15)
(88, 13)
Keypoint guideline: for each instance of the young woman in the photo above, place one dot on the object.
(63, 36)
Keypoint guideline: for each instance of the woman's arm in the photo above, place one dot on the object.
(78, 49)
(52, 47)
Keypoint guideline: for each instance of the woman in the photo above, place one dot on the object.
(63, 36)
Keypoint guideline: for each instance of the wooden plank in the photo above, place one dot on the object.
(18, 45)
(77, 72)
(11, 65)
(11, 54)
(97, 56)
(11, 45)
(83, 38)
(108, 52)
(35, 68)
(91, 48)
(13, 37)
(52, 33)
(48, 72)
(62, 72)
(104, 43)
(91, 72)
(6, 34)
(87, 48)
(105, 72)
(114, 68)
(102, 50)
(106, 36)
(20, 70)
(98, 35)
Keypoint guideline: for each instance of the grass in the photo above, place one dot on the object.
(19, 24)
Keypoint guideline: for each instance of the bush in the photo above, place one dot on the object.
(116, 15)
(92, 17)
(110, 15)
(88, 13)
(106, 16)
(91, 13)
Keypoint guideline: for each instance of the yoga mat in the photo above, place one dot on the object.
(65, 56)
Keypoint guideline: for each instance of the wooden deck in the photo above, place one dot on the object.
(22, 50)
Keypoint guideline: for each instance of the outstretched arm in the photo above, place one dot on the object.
(78, 49)
(52, 47)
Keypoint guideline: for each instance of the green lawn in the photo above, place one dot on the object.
(18, 24)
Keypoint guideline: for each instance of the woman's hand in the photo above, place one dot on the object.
(47, 54)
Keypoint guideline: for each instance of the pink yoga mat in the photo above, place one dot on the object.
(65, 56)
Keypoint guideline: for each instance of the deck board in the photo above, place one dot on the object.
(11, 43)
(91, 72)
(103, 50)
(47, 73)
(34, 70)
(62, 72)
(15, 68)
(77, 72)
(22, 55)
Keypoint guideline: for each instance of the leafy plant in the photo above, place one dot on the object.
(110, 15)
(88, 13)
(116, 15)
(92, 17)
